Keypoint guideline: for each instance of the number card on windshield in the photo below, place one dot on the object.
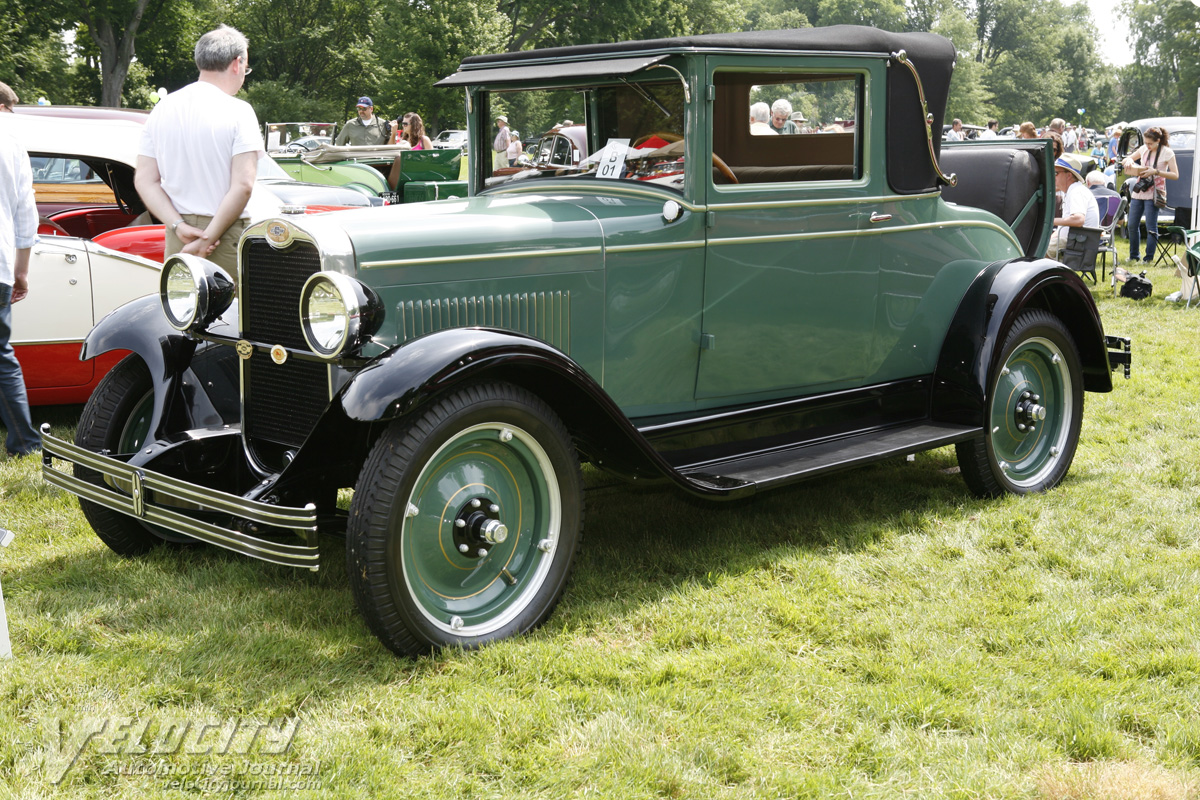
(612, 159)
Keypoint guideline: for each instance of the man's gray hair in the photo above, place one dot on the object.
(760, 112)
(7, 96)
(781, 106)
(218, 47)
(1058, 124)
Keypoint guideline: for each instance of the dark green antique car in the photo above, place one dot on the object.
(695, 300)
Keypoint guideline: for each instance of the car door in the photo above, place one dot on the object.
(791, 274)
(49, 325)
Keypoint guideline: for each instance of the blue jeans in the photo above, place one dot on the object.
(1136, 207)
(22, 439)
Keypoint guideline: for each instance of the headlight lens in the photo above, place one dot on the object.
(327, 316)
(180, 293)
(338, 314)
(194, 291)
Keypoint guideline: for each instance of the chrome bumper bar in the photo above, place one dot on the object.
(147, 485)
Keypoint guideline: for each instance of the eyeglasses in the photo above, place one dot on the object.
(248, 69)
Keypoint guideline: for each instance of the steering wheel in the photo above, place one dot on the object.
(723, 168)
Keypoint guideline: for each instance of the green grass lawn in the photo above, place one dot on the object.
(879, 633)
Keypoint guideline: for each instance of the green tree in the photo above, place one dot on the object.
(424, 42)
(112, 26)
(1166, 47)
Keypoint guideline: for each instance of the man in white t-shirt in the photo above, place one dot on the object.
(1079, 204)
(198, 155)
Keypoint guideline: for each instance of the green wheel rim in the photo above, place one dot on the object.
(504, 468)
(137, 427)
(1036, 368)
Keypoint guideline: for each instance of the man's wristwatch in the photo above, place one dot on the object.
(176, 224)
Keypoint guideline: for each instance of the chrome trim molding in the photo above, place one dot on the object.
(565, 251)
(923, 226)
(300, 521)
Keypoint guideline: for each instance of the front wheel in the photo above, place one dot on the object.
(1034, 412)
(465, 521)
(117, 419)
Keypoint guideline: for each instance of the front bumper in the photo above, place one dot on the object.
(176, 505)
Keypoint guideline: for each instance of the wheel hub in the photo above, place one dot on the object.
(1028, 412)
(477, 527)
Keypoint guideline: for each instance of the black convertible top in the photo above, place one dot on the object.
(909, 169)
(833, 39)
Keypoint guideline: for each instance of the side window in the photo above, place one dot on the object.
(62, 170)
(783, 128)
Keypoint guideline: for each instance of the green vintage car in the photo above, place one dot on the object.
(695, 301)
(396, 174)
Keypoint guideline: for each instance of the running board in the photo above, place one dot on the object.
(748, 474)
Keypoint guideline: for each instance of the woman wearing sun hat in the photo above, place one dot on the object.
(1079, 204)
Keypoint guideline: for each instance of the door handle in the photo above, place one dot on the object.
(877, 217)
(67, 255)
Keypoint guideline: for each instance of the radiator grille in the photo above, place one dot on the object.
(546, 315)
(270, 291)
(282, 401)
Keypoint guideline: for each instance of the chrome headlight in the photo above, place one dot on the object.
(194, 291)
(338, 314)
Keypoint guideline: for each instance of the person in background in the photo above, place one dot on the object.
(501, 142)
(990, 131)
(1079, 205)
(8, 98)
(1070, 139)
(198, 156)
(365, 130)
(955, 134)
(414, 132)
(18, 233)
(1027, 131)
(1156, 160)
(1100, 184)
(781, 117)
(515, 148)
(759, 126)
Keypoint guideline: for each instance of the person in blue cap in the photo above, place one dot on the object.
(366, 129)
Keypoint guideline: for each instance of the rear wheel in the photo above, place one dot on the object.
(117, 419)
(1034, 412)
(465, 521)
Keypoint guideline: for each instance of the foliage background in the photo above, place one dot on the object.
(1018, 59)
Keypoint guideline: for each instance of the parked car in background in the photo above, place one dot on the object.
(90, 258)
(396, 173)
(297, 136)
(1181, 138)
(685, 303)
(450, 140)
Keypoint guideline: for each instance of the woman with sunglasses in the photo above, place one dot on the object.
(1156, 160)
(413, 132)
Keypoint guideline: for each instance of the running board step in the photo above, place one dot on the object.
(739, 476)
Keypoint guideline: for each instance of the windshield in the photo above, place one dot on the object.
(625, 132)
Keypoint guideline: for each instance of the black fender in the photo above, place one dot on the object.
(988, 309)
(191, 379)
(401, 381)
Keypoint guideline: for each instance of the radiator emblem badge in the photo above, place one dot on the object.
(279, 234)
(244, 349)
(278, 354)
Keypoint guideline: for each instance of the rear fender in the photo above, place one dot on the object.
(195, 384)
(988, 309)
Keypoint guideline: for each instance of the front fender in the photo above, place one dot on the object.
(184, 398)
(988, 309)
(401, 381)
